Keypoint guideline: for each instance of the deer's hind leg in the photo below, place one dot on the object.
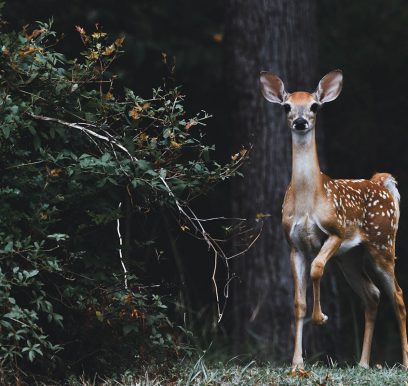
(384, 265)
(352, 266)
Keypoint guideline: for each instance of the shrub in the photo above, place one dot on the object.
(87, 166)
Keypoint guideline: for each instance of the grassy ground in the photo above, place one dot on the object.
(252, 374)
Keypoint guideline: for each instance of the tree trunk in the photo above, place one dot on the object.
(278, 36)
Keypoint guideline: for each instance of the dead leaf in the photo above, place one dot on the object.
(300, 373)
(28, 50)
(80, 30)
(243, 152)
(218, 38)
(43, 216)
(192, 122)
(99, 35)
(175, 144)
(142, 137)
(82, 33)
(134, 113)
(108, 96)
(54, 172)
(93, 55)
(109, 50)
(260, 216)
(234, 156)
(119, 41)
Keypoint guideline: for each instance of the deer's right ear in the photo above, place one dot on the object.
(272, 87)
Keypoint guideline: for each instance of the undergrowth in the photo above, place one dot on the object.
(252, 373)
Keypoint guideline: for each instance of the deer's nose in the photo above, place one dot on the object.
(300, 124)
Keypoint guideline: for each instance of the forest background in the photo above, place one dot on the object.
(215, 50)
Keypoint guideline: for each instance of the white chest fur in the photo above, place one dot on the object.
(306, 234)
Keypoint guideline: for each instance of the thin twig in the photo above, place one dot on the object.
(120, 249)
(249, 246)
(221, 218)
(195, 222)
(212, 244)
(26, 164)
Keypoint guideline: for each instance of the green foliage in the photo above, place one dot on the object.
(74, 146)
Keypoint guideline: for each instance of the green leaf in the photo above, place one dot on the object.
(58, 236)
(9, 247)
(6, 130)
(128, 328)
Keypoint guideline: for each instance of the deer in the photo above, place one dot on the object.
(355, 220)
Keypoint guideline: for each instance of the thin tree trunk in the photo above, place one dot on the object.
(279, 36)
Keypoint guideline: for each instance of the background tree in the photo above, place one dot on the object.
(279, 36)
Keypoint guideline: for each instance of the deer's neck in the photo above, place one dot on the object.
(306, 176)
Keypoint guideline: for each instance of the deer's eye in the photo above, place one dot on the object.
(286, 107)
(314, 107)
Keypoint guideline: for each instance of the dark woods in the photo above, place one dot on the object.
(215, 50)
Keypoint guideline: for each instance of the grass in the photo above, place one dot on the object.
(251, 374)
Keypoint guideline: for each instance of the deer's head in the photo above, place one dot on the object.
(301, 107)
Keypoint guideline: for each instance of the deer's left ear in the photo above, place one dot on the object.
(272, 87)
(329, 87)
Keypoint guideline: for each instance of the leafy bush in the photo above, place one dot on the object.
(88, 166)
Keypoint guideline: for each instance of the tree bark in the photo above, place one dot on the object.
(278, 36)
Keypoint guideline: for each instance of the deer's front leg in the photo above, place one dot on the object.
(298, 265)
(329, 248)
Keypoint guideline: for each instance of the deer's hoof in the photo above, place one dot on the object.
(319, 319)
(297, 365)
(297, 369)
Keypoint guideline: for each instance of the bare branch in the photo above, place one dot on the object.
(221, 218)
(120, 249)
(80, 126)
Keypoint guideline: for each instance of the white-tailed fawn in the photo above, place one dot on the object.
(354, 220)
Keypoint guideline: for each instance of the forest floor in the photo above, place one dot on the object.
(252, 374)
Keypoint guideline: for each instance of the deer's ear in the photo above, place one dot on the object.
(329, 87)
(272, 87)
